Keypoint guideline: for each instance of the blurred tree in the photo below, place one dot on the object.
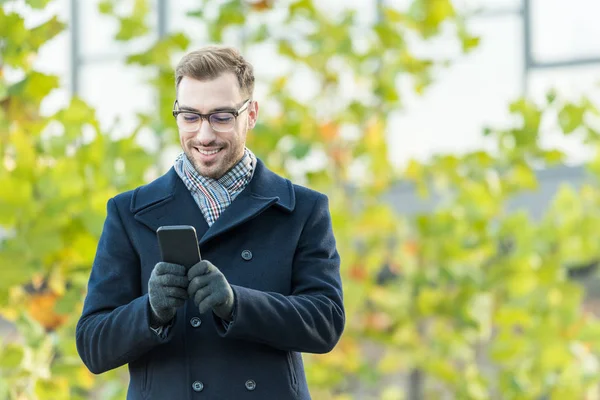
(492, 312)
(473, 299)
(56, 172)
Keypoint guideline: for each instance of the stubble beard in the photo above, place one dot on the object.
(220, 168)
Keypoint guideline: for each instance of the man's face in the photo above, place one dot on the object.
(214, 153)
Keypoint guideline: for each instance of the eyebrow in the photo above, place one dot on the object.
(218, 109)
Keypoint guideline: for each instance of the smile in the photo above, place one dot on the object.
(208, 152)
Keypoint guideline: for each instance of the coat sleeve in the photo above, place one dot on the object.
(114, 327)
(312, 318)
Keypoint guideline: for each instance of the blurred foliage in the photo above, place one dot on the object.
(474, 295)
(56, 172)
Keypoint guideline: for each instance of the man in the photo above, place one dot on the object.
(268, 288)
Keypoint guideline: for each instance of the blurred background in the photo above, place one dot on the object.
(458, 142)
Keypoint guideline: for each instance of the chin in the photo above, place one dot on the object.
(209, 172)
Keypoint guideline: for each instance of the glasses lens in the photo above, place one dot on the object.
(222, 122)
(187, 121)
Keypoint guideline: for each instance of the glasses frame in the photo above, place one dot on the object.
(234, 112)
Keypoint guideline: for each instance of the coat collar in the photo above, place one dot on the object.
(166, 201)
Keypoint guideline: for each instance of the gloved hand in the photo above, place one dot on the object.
(209, 289)
(167, 291)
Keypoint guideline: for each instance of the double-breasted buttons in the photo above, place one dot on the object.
(247, 255)
(195, 322)
(197, 386)
(250, 384)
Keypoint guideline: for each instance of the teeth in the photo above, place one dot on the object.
(209, 153)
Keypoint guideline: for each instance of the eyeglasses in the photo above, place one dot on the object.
(220, 121)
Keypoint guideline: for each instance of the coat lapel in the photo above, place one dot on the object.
(245, 206)
(266, 189)
(167, 201)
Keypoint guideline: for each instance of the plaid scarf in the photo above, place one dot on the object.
(213, 196)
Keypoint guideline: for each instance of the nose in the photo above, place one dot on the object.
(205, 133)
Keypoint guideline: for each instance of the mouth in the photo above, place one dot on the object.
(207, 154)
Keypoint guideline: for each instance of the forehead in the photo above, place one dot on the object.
(205, 95)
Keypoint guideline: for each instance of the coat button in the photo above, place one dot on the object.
(247, 255)
(195, 322)
(197, 386)
(250, 384)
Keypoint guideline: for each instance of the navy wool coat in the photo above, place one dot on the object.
(275, 246)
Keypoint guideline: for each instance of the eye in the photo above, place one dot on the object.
(222, 118)
(187, 117)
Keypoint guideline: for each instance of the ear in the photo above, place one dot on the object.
(252, 114)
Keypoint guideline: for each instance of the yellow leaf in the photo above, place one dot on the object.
(85, 378)
(392, 393)
(429, 300)
(523, 177)
(443, 369)
(391, 362)
(554, 357)
(414, 171)
(25, 149)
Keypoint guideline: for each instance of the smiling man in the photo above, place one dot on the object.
(234, 325)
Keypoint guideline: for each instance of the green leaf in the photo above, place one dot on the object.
(51, 389)
(301, 150)
(428, 15)
(443, 370)
(48, 30)
(131, 28)
(553, 157)
(470, 42)
(11, 356)
(34, 87)
(232, 13)
(551, 96)
(106, 7)
(571, 117)
(67, 303)
(198, 13)
(285, 48)
(14, 193)
(531, 115)
(37, 4)
(134, 25)
(523, 177)
(14, 51)
(393, 15)
(302, 6)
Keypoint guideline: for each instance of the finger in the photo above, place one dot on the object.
(207, 303)
(173, 281)
(199, 282)
(176, 292)
(198, 269)
(201, 294)
(163, 268)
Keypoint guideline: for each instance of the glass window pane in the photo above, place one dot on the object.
(193, 27)
(97, 32)
(487, 4)
(570, 83)
(117, 91)
(471, 94)
(565, 29)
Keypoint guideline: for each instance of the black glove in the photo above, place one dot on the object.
(210, 290)
(167, 291)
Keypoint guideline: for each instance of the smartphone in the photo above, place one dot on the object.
(178, 244)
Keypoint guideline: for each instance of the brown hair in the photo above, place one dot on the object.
(210, 62)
